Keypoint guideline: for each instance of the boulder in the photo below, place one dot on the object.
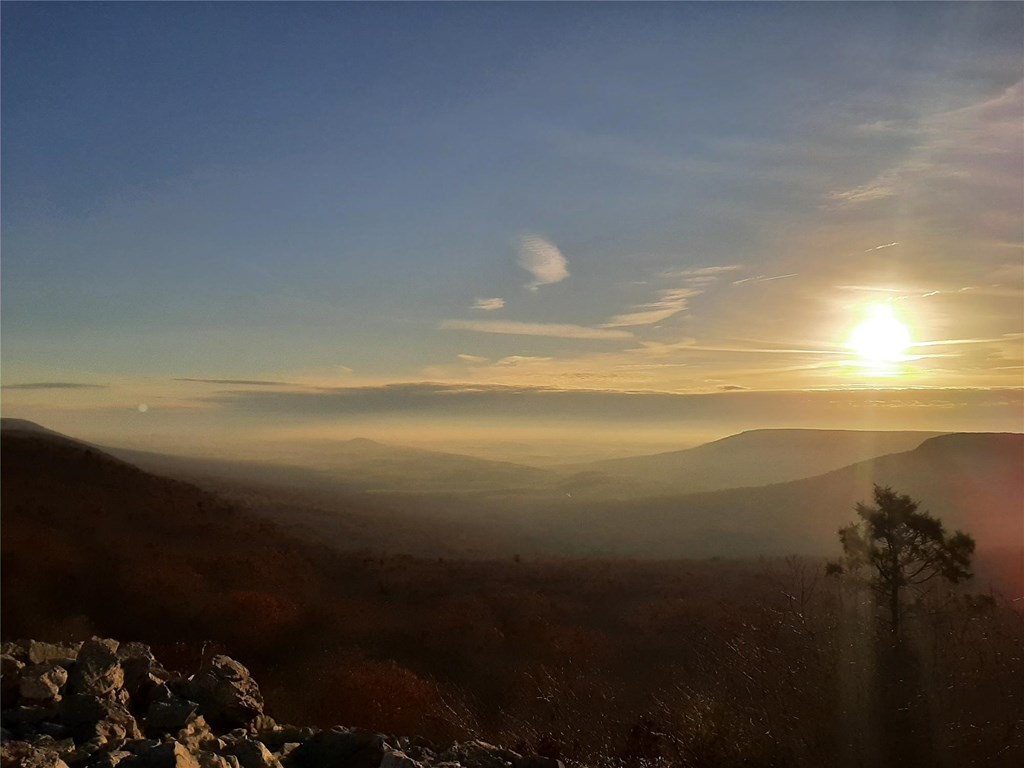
(479, 754)
(110, 759)
(398, 760)
(163, 716)
(21, 754)
(338, 748)
(537, 762)
(56, 730)
(196, 735)
(102, 721)
(142, 672)
(52, 653)
(10, 669)
(275, 738)
(209, 759)
(41, 683)
(28, 714)
(137, 746)
(226, 693)
(169, 755)
(17, 648)
(251, 754)
(97, 670)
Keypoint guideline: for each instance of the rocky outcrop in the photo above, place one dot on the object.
(104, 704)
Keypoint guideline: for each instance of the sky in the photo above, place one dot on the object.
(430, 222)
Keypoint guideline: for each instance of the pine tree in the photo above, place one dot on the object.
(903, 548)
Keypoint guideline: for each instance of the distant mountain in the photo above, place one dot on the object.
(356, 466)
(971, 481)
(370, 465)
(53, 475)
(757, 457)
(8, 425)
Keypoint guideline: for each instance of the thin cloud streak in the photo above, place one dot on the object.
(764, 278)
(489, 305)
(670, 302)
(240, 382)
(553, 330)
(54, 385)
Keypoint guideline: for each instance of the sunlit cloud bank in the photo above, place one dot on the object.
(494, 401)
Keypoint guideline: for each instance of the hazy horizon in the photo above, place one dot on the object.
(516, 229)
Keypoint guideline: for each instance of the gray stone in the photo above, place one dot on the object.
(10, 669)
(338, 747)
(98, 671)
(227, 694)
(56, 730)
(280, 735)
(169, 715)
(196, 735)
(105, 721)
(398, 759)
(142, 672)
(46, 741)
(169, 755)
(111, 759)
(42, 682)
(80, 708)
(252, 754)
(286, 749)
(21, 754)
(136, 746)
(26, 714)
(56, 653)
(262, 724)
(479, 754)
(209, 759)
(18, 649)
(537, 762)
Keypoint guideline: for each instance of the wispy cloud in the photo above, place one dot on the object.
(240, 382)
(884, 185)
(542, 259)
(556, 330)
(672, 301)
(962, 170)
(514, 360)
(474, 359)
(54, 385)
(704, 271)
(668, 303)
(489, 305)
(764, 278)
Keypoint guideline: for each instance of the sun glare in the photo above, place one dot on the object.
(880, 338)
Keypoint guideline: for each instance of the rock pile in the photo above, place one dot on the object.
(101, 704)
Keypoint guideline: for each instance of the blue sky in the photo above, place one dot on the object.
(681, 198)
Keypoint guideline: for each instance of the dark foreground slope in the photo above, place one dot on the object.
(606, 661)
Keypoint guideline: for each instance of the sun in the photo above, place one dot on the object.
(880, 337)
